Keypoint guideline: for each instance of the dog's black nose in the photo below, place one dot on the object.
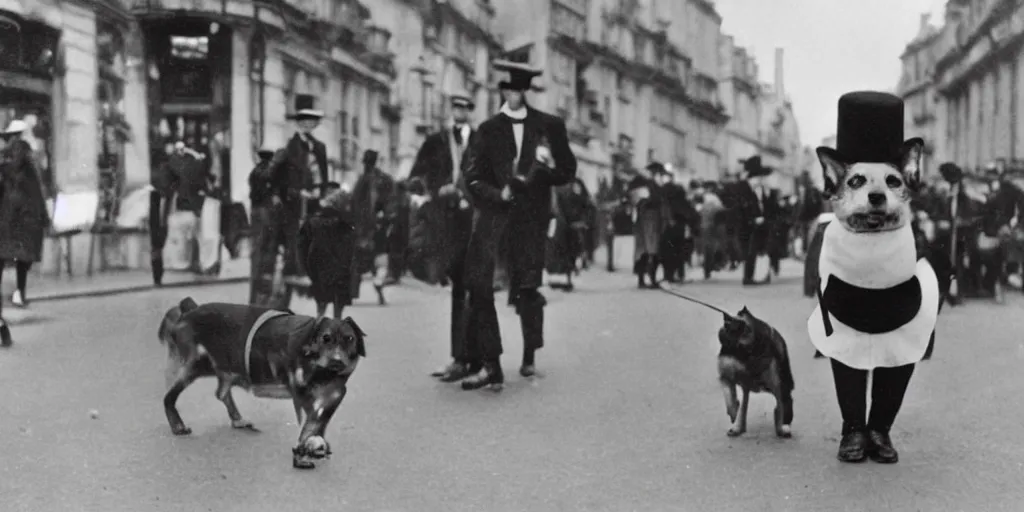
(876, 198)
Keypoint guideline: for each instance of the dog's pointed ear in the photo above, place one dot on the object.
(726, 318)
(832, 170)
(187, 304)
(744, 311)
(910, 162)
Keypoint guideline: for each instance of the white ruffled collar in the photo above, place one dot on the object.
(514, 114)
(877, 260)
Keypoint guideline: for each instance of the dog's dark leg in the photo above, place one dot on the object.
(740, 426)
(321, 410)
(186, 376)
(224, 383)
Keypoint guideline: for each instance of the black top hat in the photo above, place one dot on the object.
(951, 172)
(304, 104)
(265, 152)
(754, 168)
(461, 99)
(520, 75)
(370, 157)
(870, 128)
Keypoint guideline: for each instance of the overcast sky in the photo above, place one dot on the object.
(831, 47)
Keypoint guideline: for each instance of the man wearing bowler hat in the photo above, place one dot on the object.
(298, 173)
(757, 209)
(449, 216)
(513, 162)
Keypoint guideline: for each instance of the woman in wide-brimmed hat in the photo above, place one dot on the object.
(23, 215)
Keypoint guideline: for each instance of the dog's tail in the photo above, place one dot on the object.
(172, 317)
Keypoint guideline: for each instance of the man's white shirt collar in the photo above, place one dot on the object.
(514, 114)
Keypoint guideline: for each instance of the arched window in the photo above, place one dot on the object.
(257, 86)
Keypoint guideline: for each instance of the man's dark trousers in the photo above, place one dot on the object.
(158, 212)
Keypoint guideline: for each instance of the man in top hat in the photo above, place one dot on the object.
(264, 239)
(878, 297)
(298, 173)
(757, 211)
(513, 162)
(449, 221)
(373, 210)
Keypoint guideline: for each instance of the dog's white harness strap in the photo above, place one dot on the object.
(264, 318)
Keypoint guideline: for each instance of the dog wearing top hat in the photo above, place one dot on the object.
(877, 300)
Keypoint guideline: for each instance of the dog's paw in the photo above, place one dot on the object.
(784, 432)
(180, 430)
(316, 447)
(303, 462)
(732, 410)
(735, 431)
(244, 424)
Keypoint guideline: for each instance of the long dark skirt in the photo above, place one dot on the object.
(264, 287)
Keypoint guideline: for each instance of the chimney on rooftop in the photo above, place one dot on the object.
(780, 88)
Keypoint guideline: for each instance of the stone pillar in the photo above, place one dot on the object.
(973, 127)
(242, 158)
(136, 152)
(76, 160)
(1018, 114)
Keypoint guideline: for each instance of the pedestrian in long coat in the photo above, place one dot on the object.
(327, 243)
(298, 173)
(263, 229)
(23, 215)
(373, 212)
(758, 210)
(567, 241)
(515, 159)
(650, 218)
(449, 216)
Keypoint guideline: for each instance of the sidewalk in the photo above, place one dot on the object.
(51, 287)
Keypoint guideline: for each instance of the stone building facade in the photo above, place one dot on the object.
(635, 82)
(978, 77)
(441, 47)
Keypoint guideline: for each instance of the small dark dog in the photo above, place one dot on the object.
(754, 357)
(273, 354)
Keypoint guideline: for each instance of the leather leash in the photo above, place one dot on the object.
(661, 286)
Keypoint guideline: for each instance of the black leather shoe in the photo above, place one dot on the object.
(490, 376)
(880, 448)
(853, 447)
(459, 371)
(5, 334)
(528, 370)
(444, 369)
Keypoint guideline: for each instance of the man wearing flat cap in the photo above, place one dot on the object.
(449, 220)
(758, 207)
(512, 164)
(297, 174)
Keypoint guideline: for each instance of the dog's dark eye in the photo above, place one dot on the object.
(856, 181)
(893, 182)
(326, 338)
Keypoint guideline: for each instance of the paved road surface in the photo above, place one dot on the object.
(628, 416)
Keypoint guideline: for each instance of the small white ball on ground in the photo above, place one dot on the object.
(93, 413)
